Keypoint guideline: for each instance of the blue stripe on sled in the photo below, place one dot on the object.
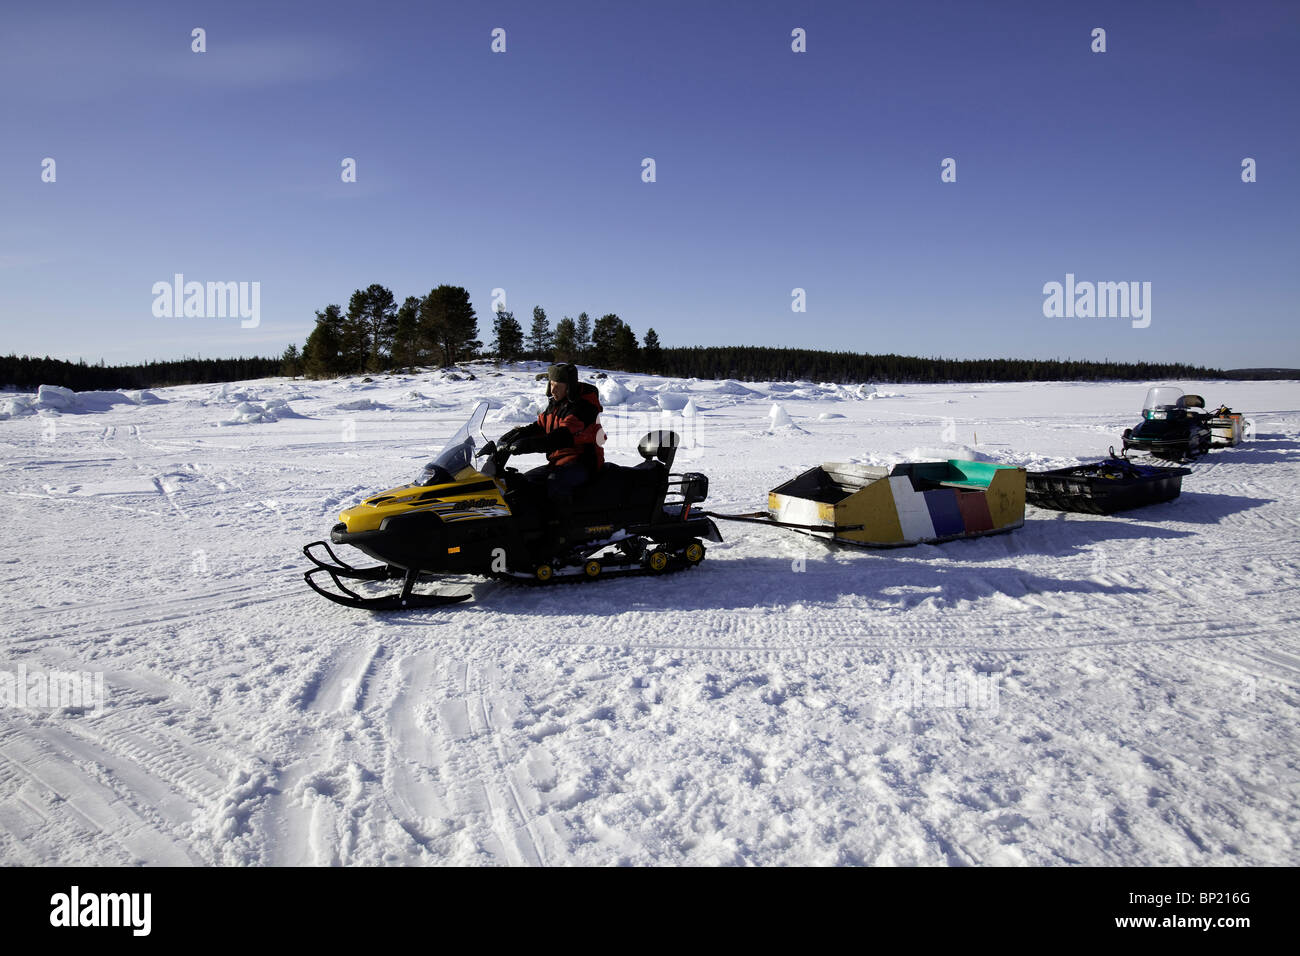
(944, 512)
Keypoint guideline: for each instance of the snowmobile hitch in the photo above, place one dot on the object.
(762, 517)
(407, 600)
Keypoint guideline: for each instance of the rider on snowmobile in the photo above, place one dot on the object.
(568, 431)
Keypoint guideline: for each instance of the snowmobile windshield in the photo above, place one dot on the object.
(458, 453)
(1162, 396)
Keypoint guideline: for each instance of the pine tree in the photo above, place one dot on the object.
(604, 337)
(322, 356)
(448, 327)
(405, 326)
(565, 340)
(582, 335)
(291, 362)
(379, 320)
(509, 336)
(627, 353)
(651, 352)
(539, 338)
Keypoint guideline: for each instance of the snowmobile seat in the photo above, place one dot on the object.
(661, 445)
(615, 487)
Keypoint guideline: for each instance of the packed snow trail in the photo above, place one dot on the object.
(1096, 690)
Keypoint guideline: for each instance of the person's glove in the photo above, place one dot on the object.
(527, 444)
(517, 440)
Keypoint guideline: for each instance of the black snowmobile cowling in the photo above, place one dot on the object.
(1174, 426)
(467, 513)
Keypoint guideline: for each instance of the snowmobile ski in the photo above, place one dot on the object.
(406, 600)
(341, 568)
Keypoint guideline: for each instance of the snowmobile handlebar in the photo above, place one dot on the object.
(497, 455)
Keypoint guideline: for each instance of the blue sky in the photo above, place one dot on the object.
(775, 170)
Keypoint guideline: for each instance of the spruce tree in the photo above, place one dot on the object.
(448, 326)
(380, 319)
(539, 337)
(322, 356)
(604, 337)
(509, 336)
(651, 352)
(355, 333)
(627, 354)
(403, 349)
(582, 335)
(291, 362)
(565, 341)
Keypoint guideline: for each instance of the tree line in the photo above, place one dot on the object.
(705, 362)
(375, 334)
(747, 363)
(29, 373)
(441, 328)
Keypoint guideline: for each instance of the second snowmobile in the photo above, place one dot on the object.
(1174, 426)
(467, 512)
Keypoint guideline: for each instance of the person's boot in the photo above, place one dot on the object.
(555, 539)
(558, 524)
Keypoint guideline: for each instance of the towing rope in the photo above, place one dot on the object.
(762, 517)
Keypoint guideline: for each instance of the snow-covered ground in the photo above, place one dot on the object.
(1097, 690)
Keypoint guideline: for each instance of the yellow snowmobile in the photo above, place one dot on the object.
(468, 513)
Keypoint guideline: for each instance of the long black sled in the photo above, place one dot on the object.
(1103, 487)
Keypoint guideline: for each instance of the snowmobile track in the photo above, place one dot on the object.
(165, 610)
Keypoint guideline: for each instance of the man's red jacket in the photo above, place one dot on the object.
(578, 416)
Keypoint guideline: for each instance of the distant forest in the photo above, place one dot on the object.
(375, 334)
(773, 364)
(30, 373)
(742, 363)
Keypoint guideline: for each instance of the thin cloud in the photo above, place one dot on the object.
(60, 60)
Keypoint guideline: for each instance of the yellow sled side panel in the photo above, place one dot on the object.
(1006, 498)
(874, 508)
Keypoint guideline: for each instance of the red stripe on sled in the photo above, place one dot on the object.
(974, 511)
